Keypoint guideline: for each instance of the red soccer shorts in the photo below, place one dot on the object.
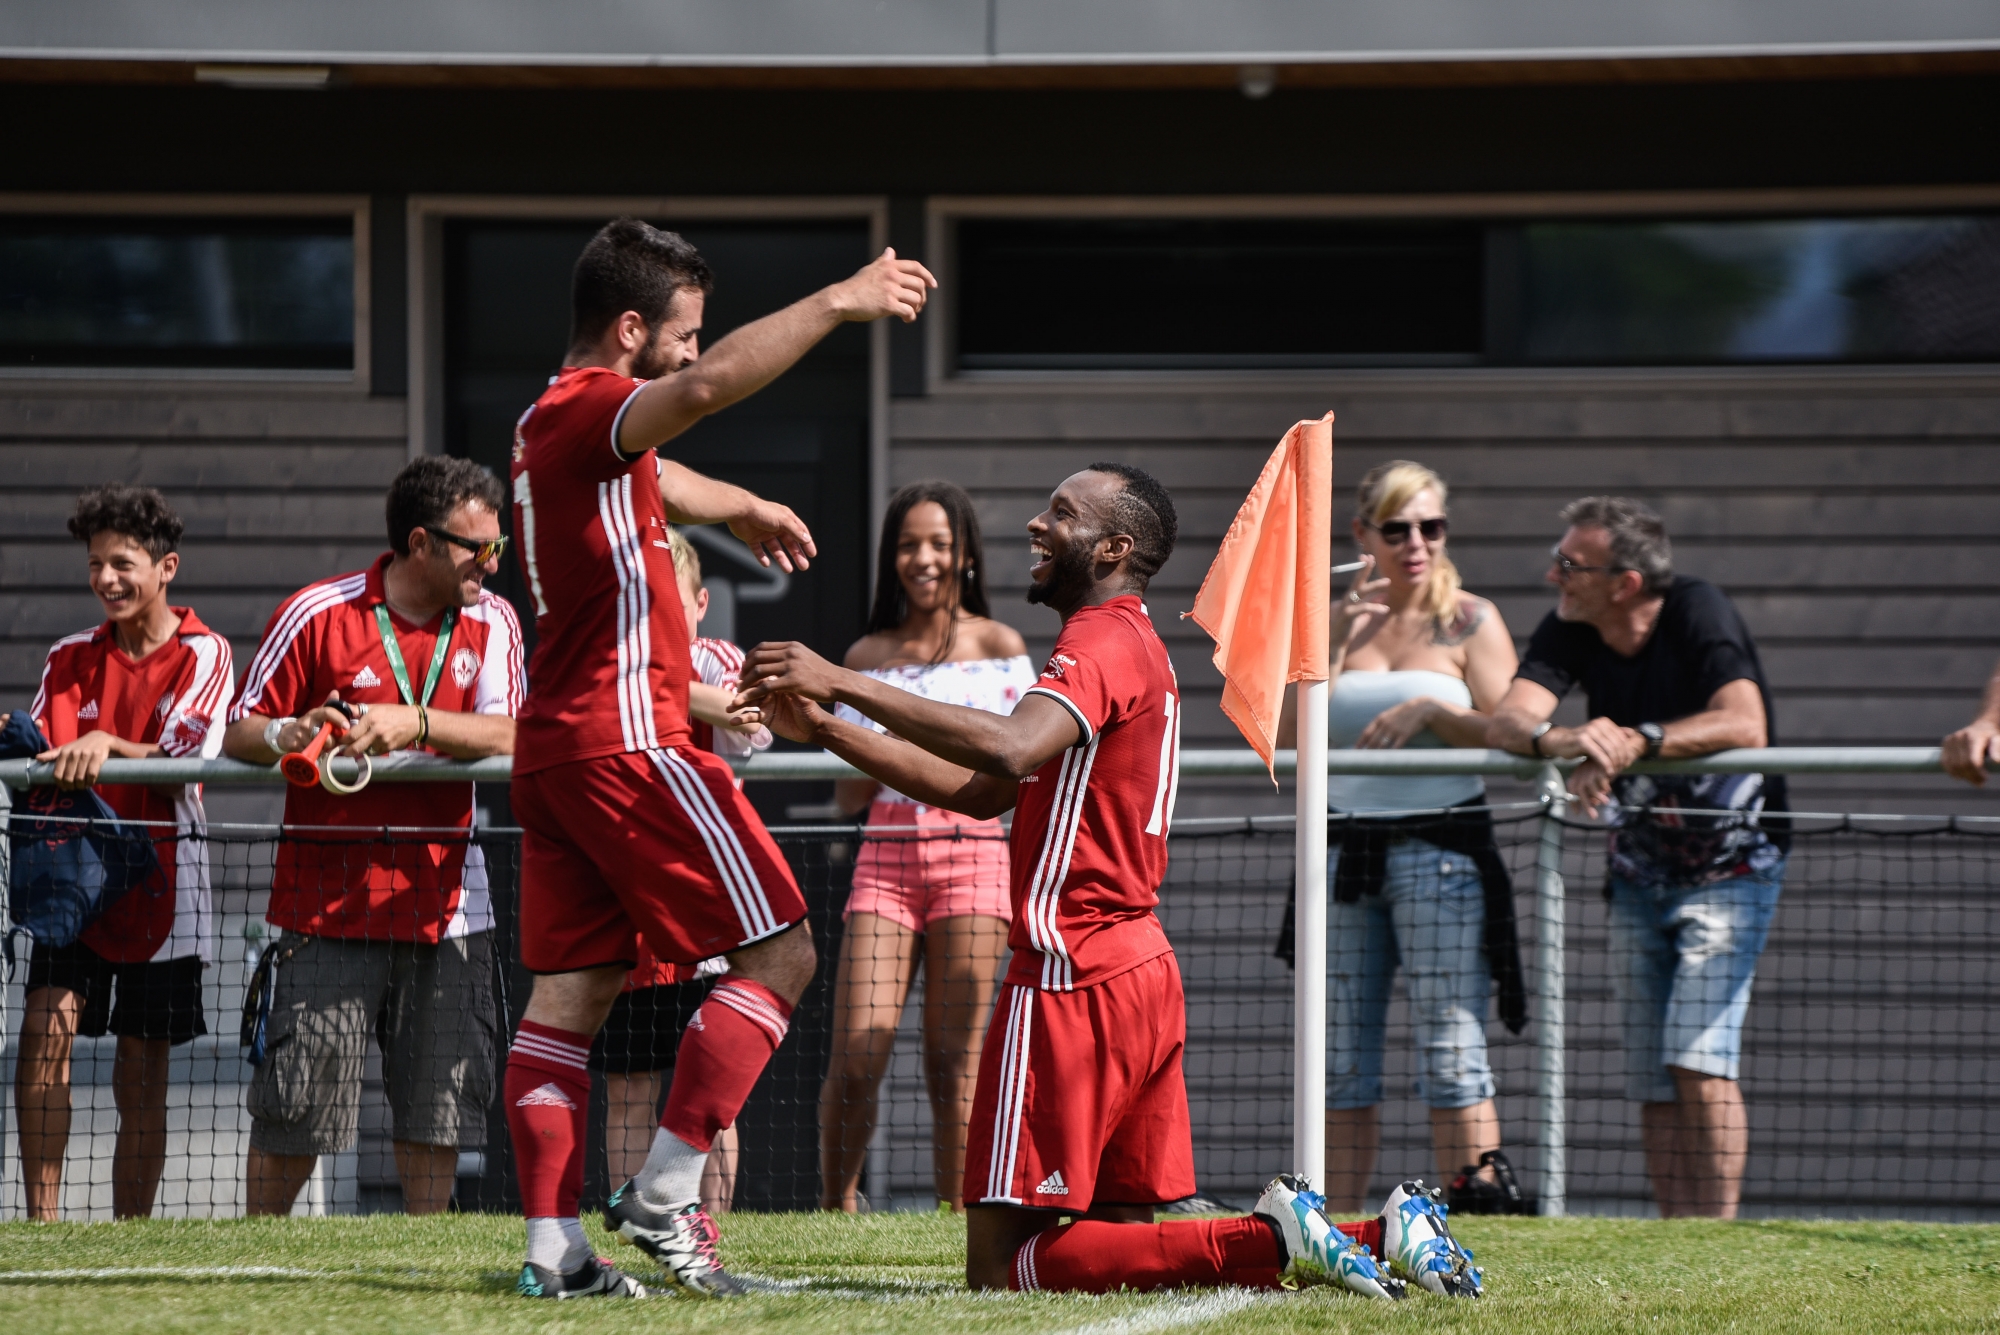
(1081, 1100)
(654, 843)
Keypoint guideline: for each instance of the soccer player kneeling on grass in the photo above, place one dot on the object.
(629, 829)
(1081, 1106)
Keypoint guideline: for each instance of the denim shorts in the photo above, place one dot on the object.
(1429, 919)
(1683, 959)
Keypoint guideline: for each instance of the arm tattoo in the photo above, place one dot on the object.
(1471, 615)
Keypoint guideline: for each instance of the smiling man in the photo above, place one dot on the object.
(1669, 670)
(147, 683)
(1081, 1107)
(389, 936)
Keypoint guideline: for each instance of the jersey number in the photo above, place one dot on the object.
(1170, 771)
(524, 496)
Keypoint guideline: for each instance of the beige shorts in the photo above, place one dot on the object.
(431, 1010)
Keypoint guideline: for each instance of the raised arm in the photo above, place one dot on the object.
(758, 353)
(908, 769)
(1006, 746)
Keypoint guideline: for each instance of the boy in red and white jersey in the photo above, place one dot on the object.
(629, 829)
(395, 931)
(152, 681)
(1081, 1107)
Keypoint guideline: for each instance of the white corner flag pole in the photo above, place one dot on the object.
(1309, 942)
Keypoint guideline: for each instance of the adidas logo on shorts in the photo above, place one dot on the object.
(366, 677)
(544, 1096)
(1053, 1185)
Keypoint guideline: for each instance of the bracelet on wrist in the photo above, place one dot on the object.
(1535, 738)
(423, 725)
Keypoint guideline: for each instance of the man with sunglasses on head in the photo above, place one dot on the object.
(1696, 861)
(383, 935)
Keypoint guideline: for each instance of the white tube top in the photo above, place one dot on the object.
(1354, 701)
(992, 684)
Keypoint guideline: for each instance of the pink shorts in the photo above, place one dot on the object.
(949, 866)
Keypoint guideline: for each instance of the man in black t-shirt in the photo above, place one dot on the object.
(1668, 670)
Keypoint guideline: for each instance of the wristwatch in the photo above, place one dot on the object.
(1655, 735)
(273, 728)
(1535, 737)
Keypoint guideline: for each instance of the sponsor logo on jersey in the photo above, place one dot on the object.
(544, 1096)
(1053, 1185)
(464, 667)
(366, 677)
(88, 711)
(1058, 665)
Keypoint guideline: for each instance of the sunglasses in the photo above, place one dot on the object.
(482, 549)
(1566, 567)
(1397, 531)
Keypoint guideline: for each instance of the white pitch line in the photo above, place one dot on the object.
(1174, 1314)
(174, 1272)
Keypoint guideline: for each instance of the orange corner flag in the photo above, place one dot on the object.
(1264, 601)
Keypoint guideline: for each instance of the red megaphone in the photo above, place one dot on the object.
(301, 768)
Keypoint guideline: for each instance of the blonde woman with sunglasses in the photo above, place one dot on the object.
(1417, 661)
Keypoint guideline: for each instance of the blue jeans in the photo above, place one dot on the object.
(1429, 919)
(1683, 961)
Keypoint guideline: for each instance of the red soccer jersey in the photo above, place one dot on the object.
(173, 696)
(1089, 843)
(325, 638)
(611, 665)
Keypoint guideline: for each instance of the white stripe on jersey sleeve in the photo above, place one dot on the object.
(497, 690)
(205, 697)
(306, 604)
(39, 710)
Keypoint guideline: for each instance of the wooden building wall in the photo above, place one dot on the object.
(1850, 512)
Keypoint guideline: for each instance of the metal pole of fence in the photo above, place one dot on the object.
(1309, 941)
(1549, 1072)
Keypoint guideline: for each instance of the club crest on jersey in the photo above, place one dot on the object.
(191, 728)
(464, 667)
(1058, 665)
(366, 677)
(1053, 1185)
(88, 711)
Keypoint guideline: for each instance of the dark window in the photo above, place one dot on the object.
(239, 293)
(1176, 293)
(1134, 293)
(1805, 290)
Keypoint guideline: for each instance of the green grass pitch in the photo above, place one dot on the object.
(894, 1273)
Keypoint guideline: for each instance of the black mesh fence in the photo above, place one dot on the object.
(1869, 1054)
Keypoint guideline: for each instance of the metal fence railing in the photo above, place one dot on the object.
(1871, 1051)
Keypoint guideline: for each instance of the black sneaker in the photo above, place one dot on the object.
(595, 1278)
(1472, 1194)
(682, 1241)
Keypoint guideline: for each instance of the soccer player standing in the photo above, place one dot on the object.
(629, 830)
(1081, 1106)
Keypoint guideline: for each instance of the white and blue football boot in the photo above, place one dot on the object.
(1417, 1243)
(1315, 1251)
(595, 1278)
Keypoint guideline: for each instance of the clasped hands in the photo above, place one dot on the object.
(1608, 751)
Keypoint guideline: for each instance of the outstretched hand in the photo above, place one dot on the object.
(887, 286)
(794, 718)
(1967, 751)
(785, 668)
(773, 533)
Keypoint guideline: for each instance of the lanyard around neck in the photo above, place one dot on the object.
(395, 652)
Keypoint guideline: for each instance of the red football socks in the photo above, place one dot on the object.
(727, 1045)
(1367, 1232)
(1092, 1256)
(548, 1097)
